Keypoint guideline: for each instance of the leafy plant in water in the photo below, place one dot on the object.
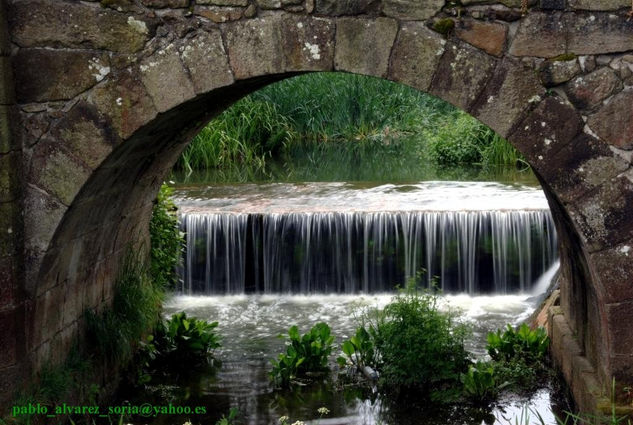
(304, 354)
(479, 383)
(227, 420)
(359, 350)
(183, 340)
(521, 342)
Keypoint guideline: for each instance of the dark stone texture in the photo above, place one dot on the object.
(599, 4)
(344, 7)
(551, 126)
(612, 269)
(124, 101)
(613, 122)
(598, 33)
(588, 91)
(412, 9)
(580, 166)
(511, 92)
(620, 329)
(34, 23)
(44, 75)
(219, 14)
(605, 217)
(553, 73)
(416, 54)
(166, 3)
(552, 4)
(462, 75)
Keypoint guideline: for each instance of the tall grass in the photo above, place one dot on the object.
(337, 120)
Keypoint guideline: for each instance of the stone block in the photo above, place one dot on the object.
(56, 171)
(253, 48)
(204, 56)
(540, 34)
(598, 33)
(269, 4)
(9, 180)
(412, 9)
(353, 35)
(462, 74)
(45, 74)
(604, 5)
(223, 2)
(580, 166)
(160, 4)
(42, 214)
(552, 4)
(618, 318)
(9, 214)
(8, 118)
(219, 14)
(307, 44)
(343, 7)
(488, 36)
(34, 23)
(613, 123)
(416, 55)
(507, 3)
(551, 126)
(125, 103)
(612, 268)
(512, 91)
(605, 217)
(166, 79)
(556, 72)
(588, 91)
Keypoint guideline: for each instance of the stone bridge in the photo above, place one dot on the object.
(99, 98)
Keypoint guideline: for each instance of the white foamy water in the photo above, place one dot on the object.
(274, 198)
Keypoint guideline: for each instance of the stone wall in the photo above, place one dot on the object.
(109, 93)
(11, 303)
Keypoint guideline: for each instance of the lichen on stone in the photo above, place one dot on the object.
(564, 57)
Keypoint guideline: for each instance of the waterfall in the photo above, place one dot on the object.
(348, 252)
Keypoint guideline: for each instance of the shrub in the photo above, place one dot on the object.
(421, 348)
(166, 239)
(304, 354)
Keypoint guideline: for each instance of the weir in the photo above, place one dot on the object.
(473, 251)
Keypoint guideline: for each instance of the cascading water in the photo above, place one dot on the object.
(477, 239)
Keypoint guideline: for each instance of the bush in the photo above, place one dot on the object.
(421, 348)
(359, 350)
(304, 355)
(166, 239)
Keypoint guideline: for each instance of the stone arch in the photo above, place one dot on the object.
(102, 127)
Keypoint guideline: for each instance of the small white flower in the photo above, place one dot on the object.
(299, 423)
(283, 419)
(323, 410)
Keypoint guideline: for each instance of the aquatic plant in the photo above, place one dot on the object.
(530, 344)
(304, 354)
(479, 382)
(184, 341)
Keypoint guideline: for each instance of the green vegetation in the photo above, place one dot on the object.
(166, 240)
(307, 354)
(521, 342)
(340, 121)
(444, 26)
(421, 348)
(115, 333)
(480, 384)
(183, 341)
